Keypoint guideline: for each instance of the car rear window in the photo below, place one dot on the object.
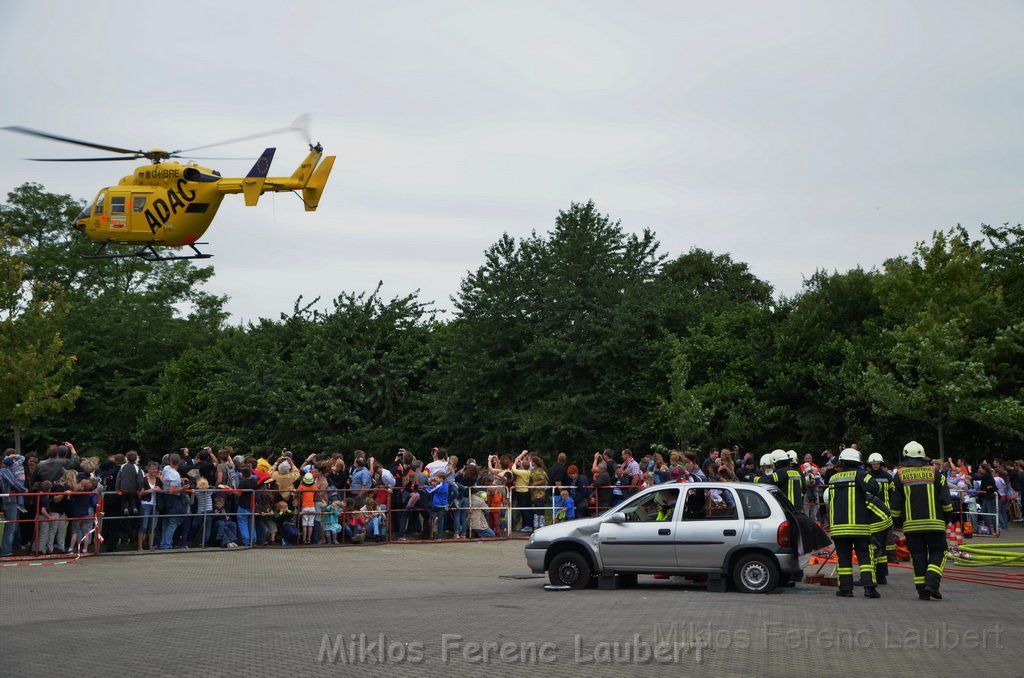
(754, 505)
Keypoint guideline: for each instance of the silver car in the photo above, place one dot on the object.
(714, 531)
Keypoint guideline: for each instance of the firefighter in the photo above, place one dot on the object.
(921, 502)
(883, 541)
(766, 468)
(852, 498)
(787, 478)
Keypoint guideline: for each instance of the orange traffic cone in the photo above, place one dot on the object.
(959, 534)
(950, 535)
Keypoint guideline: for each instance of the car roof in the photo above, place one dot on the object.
(713, 485)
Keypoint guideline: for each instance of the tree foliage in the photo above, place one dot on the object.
(33, 363)
(579, 337)
(948, 331)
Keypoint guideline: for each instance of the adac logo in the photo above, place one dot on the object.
(162, 210)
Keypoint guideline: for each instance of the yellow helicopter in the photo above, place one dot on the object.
(169, 204)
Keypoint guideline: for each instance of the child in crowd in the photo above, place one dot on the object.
(81, 511)
(224, 527)
(53, 527)
(373, 517)
(568, 510)
(496, 502)
(307, 506)
(284, 517)
(332, 527)
(353, 523)
(202, 521)
(438, 490)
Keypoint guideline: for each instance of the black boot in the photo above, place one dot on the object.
(924, 593)
(881, 580)
(844, 594)
(871, 592)
(935, 594)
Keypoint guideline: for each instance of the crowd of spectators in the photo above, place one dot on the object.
(219, 498)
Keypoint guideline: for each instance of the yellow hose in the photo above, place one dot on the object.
(978, 555)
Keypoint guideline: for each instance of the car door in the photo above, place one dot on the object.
(643, 541)
(709, 525)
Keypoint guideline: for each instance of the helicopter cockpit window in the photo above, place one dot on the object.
(117, 204)
(138, 203)
(99, 204)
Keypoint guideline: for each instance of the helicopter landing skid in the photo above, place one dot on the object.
(147, 252)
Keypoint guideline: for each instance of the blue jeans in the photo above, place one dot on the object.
(352, 531)
(990, 505)
(226, 531)
(245, 526)
(10, 528)
(148, 520)
(439, 513)
(373, 526)
(483, 534)
(459, 515)
(171, 525)
(288, 534)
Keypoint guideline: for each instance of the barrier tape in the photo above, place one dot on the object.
(85, 537)
(37, 564)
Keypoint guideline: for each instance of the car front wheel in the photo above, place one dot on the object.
(569, 569)
(755, 573)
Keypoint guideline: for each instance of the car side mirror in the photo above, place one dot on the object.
(617, 517)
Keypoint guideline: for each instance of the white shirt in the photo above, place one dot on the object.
(387, 477)
(435, 467)
(171, 478)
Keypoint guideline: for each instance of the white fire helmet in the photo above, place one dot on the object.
(850, 454)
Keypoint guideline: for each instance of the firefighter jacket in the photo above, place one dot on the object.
(850, 513)
(880, 514)
(920, 497)
(789, 480)
(884, 481)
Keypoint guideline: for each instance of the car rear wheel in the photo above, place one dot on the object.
(569, 569)
(755, 573)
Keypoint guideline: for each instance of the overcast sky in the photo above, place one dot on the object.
(792, 135)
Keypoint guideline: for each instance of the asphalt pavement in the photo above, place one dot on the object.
(472, 609)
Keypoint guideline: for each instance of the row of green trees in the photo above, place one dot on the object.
(579, 338)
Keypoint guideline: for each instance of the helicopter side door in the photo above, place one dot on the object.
(118, 217)
(137, 217)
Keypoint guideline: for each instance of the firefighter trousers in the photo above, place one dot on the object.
(845, 547)
(879, 552)
(928, 553)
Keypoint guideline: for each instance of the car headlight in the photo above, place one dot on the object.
(530, 540)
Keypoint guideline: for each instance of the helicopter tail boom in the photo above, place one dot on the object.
(310, 177)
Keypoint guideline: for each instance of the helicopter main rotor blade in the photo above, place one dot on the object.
(133, 157)
(301, 124)
(69, 140)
